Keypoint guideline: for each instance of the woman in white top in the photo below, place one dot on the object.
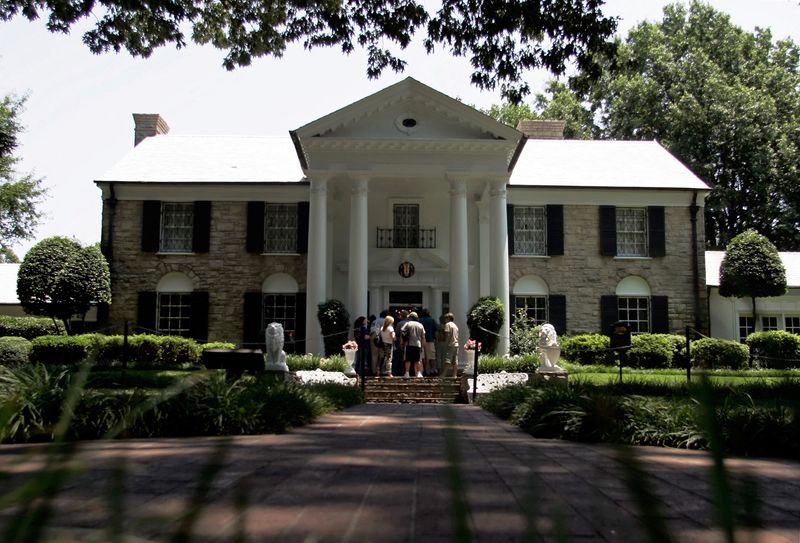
(387, 337)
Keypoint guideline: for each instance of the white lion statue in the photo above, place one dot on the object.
(549, 349)
(275, 356)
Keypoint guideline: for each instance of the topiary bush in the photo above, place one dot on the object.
(64, 350)
(587, 349)
(651, 351)
(30, 327)
(14, 350)
(488, 313)
(710, 353)
(776, 349)
(334, 323)
(178, 352)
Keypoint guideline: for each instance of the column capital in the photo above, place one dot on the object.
(318, 186)
(458, 187)
(359, 185)
(498, 192)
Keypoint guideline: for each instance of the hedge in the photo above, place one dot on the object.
(710, 353)
(775, 349)
(62, 350)
(30, 327)
(655, 351)
(14, 350)
(587, 349)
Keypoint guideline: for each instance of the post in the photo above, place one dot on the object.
(475, 374)
(362, 369)
(688, 356)
(125, 347)
(621, 358)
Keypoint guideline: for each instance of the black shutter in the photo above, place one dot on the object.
(202, 227)
(255, 227)
(608, 231)
(146, 312)
(300, 323)
(609, 313)
(557, 312)
(555, 231)
(253, 330)
(302, 227)
(656, 231)
(151, 225)
(510, 223)
(659, 305)
(198, 322)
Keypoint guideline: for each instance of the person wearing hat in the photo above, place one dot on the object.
(413, 334)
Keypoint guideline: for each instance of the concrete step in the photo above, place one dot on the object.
(416, 390)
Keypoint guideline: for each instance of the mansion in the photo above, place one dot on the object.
(405, 198)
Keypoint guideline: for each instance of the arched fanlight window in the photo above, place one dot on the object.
(174, 304)
(633, 303)
(530, 294)
(279, 304)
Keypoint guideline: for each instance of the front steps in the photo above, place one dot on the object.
(416, 389)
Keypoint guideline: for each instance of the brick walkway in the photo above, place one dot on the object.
(379, 473)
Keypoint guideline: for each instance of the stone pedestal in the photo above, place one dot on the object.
(558, 377)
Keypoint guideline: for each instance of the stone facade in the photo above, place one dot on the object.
(226, 272)
(583, 275)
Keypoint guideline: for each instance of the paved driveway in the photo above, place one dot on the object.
(381, 473)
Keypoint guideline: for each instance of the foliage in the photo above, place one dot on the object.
(725, 101)
(524, 334)
(751, 268)
(653, 350)
(306, 362)
(14, 350)
(133, 378)
(775, 349)
(709, 353)
(60, 350)
(58, 278)
(502, 38)
(217, 345)
(484, 321)
(516, 364)
(29, 327)
(19, 195)
(31, 396)
(334, 322)
(587, 349)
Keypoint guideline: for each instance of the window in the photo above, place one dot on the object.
(177, 227)
(792, 324)
(746, 327)
(280, 228)
(631, 231)
(535, 307)
(174, 313)
(636, 312)
(769, 323)
(406, 225)
(530, 232)
(445, 302)
(281, 308)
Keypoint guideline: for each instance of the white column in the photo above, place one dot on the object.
(458, 261)
(375, 301)
(435, 304)
(359, 250)
(316, 274)
(484, 242)
(499, 255)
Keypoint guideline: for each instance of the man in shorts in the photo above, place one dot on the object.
(413, 334)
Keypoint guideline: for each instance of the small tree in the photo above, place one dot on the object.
(334, 322)
(524, 334)
(751, 268)
(59, 279)
(484, 321)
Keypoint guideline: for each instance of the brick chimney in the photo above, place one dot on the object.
(542, 130)
(146, 125)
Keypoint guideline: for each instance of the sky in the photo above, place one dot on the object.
(78, 113)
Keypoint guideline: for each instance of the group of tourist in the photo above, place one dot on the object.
(407, 339)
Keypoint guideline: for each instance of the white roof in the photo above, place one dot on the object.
(791, 261)
(601, 163)
(8, 283)
(247, 159)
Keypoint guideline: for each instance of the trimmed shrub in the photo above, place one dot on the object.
(217, 345)
(710, 353)
(30, 327)
(487, 314)
(651, 351)
(587, 349)
(109, 352)
(66, 350)
(516, 364)
(178, 352)
(334, 323)
(775, 349)
(14, 350)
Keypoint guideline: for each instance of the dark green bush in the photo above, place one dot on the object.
(587, 349)
(30, 327)
(334, 323)
(488, 313)
(524, 334)
(516, 364)
(306, 362)
(217, 345)
(14, 350)
(710, 353)
(109, 352)
(776, 349)
(63, 350)
(651, 351)
(178, 352)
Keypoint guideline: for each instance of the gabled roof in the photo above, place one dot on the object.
(602, 164)
(177, 159)
(791, 261)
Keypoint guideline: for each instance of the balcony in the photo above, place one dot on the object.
(406, 238)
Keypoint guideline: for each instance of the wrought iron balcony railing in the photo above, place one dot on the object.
(406, 238)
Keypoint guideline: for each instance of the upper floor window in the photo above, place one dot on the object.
(177, 225)
(631, 231)
(530, 230)
(405, 218)
(280, 228)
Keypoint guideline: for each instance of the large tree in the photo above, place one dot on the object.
(60, 279)
(502, 38)
(19, 194)
(724, 101)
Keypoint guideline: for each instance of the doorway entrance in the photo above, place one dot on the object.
(409, 300)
